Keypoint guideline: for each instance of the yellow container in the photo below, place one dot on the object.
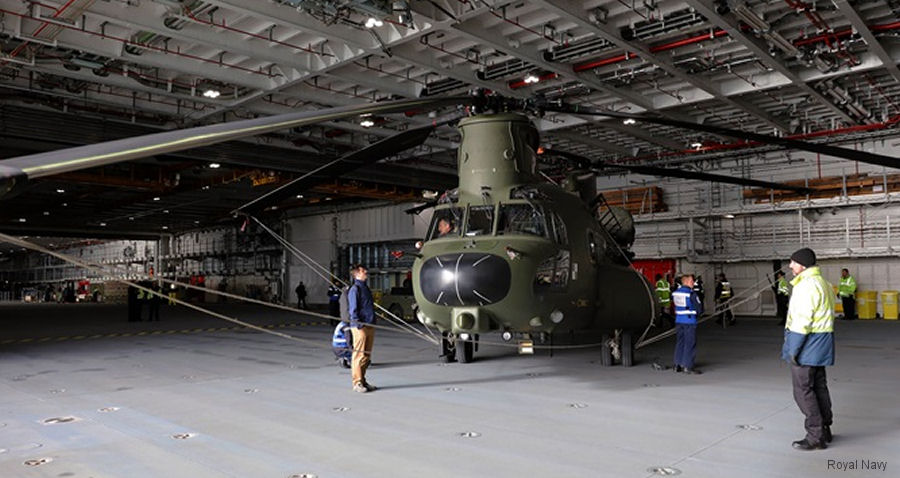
(866, 304)
(889, 304)
(838, 306)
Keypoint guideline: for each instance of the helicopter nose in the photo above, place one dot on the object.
(465, 279)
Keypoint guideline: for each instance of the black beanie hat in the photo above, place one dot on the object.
(805, 257)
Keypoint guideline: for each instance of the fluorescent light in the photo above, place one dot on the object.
(629, 121)
(214, 165)
(210, 93)
(532, 78)
(367, 123)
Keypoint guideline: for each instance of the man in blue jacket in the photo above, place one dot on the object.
(809, 347)
(362, 319)
(687, 308)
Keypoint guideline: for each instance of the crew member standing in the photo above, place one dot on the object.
(809, 347)
(301, 295)
(847, 291)
(664, 294)
(362, 319)
(782, 297)
(723, 296)
(687, 308)
(334, 301)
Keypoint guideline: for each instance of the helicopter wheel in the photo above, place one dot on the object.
(448, 348)
(465, 350)
(627, 349)
(606, 358)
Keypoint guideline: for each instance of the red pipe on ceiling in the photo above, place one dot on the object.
(720, 33)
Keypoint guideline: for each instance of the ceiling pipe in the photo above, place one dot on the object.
(720, 33)
(190, 14)
(590, 65)
(37, 32)
(146, 46)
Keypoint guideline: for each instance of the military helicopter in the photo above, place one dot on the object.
(505, 252)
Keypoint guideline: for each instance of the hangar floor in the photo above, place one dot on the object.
(194, 401)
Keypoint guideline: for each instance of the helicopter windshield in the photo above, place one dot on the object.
(480, 221)
(522, 219)
(445, 222)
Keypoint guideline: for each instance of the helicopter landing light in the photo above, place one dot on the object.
(448, 276)
(556, 316)
(526, 347)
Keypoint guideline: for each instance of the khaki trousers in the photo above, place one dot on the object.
(362, 352)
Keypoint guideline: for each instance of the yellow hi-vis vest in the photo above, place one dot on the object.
(783, 287)
(809, 331)
(811, 309)
(664, 292)
(847, 288)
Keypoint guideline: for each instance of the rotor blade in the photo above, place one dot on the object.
(73, 159)
(715, 178)
(369, 155)
(421, 207)
(586, 162)
(861, 156)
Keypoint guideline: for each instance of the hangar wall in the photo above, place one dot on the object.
(710, 227)
(321, 236)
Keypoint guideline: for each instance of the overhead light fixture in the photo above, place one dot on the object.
(211, 93)
(165, 228)
(629, 121)
(729, 216)
(156, 198)
(46, 213)
(214, 165)
(367, 123)
(299, 196)
(102, 224)
(373, 22)
(22, 219)
(531, 78)
(697, 145)
(61, 191)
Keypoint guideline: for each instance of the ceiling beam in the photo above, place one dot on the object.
(759, 49)
(874, 45)
(573, 12)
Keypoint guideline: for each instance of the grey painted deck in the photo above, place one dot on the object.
(262, 406)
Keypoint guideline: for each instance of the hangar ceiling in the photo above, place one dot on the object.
(80, 71)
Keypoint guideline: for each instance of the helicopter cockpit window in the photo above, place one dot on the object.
(445, 223)
(559, 230)
(481, 221)
(522, 219)
(553, 273)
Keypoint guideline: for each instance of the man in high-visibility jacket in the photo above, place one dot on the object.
(688, 308)
(782, 297)
(664, 294)
(847, 291)
(723, 296)
(809, 347)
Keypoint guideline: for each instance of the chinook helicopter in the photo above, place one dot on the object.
(506, 252)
